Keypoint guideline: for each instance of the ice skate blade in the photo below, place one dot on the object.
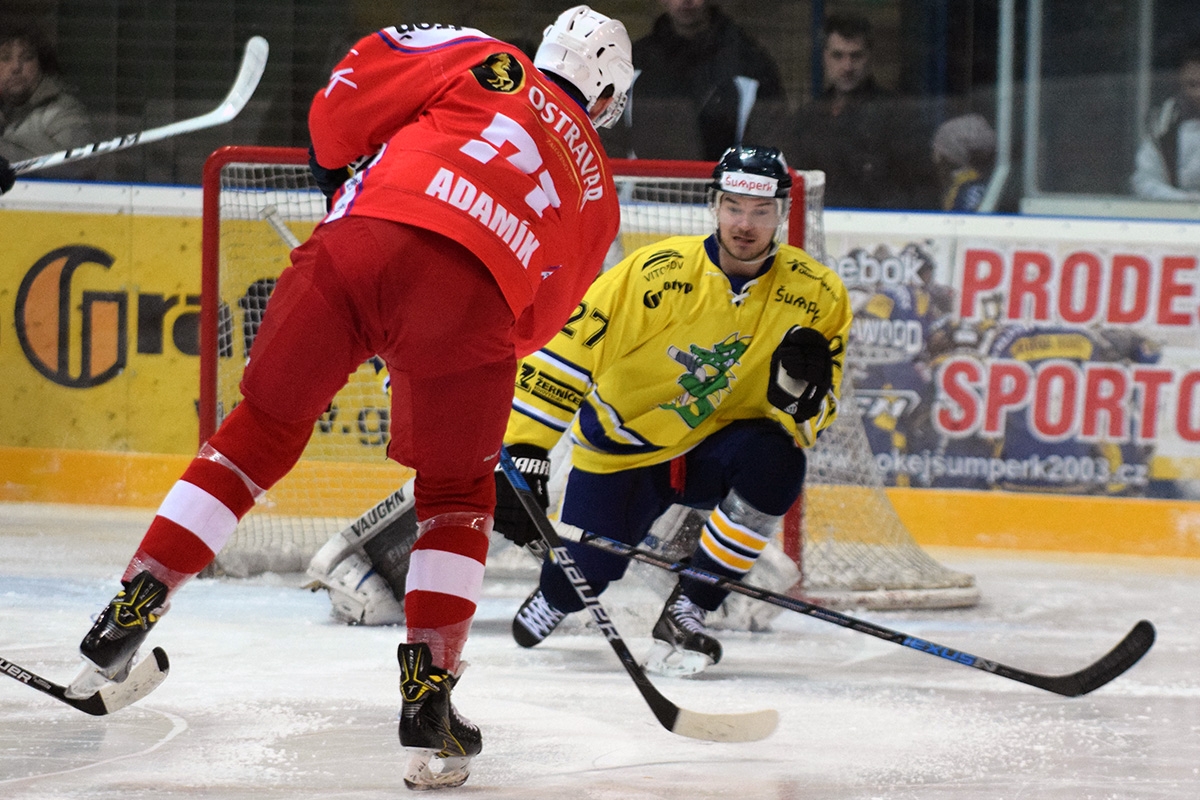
(427, 770)
(671, 662)
(91, 678)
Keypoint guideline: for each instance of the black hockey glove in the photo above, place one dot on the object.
(328, 180)
(8, 175)
(801, 373)
(533, 463)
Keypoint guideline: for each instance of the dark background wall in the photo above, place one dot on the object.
(143, 63)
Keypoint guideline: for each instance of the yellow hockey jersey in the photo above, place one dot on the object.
(662, 353)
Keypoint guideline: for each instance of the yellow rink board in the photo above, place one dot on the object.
(142, 480)
(935, 517)
(1131, 526)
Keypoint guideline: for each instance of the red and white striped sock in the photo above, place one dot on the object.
(195, 520)
(445, 578)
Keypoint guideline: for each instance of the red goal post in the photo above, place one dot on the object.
(258, 202)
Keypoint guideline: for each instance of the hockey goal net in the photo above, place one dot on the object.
(259, 202)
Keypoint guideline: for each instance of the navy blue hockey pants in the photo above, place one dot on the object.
(755, 457)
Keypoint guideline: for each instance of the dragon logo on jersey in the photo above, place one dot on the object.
(500, 73)
(708, 376)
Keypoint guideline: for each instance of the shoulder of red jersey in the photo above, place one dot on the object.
(423, 37)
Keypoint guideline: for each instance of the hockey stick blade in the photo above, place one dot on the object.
(745, 727)
(144, 678)
(1092, 677)
(254, 62)
(1110, 665)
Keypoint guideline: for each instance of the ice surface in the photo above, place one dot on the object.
(267, 698)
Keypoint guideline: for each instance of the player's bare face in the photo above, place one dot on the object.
(847, 62)
(746, 227)
(19, 72)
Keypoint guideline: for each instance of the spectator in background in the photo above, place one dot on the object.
(871, 146)
(1167, 165)
(964, 153)
(701, 85)
(37, 115)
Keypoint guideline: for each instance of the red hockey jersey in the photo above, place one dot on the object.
(467, 138)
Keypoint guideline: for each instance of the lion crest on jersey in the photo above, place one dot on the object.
(500, 73)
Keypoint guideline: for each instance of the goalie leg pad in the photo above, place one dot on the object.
(360, 595)
(364, 566)
(396, 514)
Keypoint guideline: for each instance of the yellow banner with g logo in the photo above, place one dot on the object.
(99, 331)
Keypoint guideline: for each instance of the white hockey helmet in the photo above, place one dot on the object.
(593, 53)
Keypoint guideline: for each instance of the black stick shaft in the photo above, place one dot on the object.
(749, 726)
(1116, 661)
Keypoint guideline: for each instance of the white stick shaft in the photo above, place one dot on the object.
(253, 63)
(271, 215)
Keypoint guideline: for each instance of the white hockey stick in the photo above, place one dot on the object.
(144, 678)
(271, 215)
(253, 63)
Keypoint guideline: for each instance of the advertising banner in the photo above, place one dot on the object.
(1022, 357)
(99, 331)
(1026, 355)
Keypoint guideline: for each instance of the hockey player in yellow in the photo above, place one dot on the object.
(695, 372)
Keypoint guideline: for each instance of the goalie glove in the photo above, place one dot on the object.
(533, 463)
(327, 180)
(801, 373)
(8, 175)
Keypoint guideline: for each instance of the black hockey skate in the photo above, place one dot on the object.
(441, 742)
(682, 645)
(109, 647)
(535, 620)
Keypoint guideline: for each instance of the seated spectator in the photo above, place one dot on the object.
(37, 116)
(701, 85)
(1167, 165)
(871, 145)
(964, 153)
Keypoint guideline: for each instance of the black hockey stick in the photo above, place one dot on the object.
(1116, 661)
(745, 727)
(145, 676)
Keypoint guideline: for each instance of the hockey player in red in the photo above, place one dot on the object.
(477, 211)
